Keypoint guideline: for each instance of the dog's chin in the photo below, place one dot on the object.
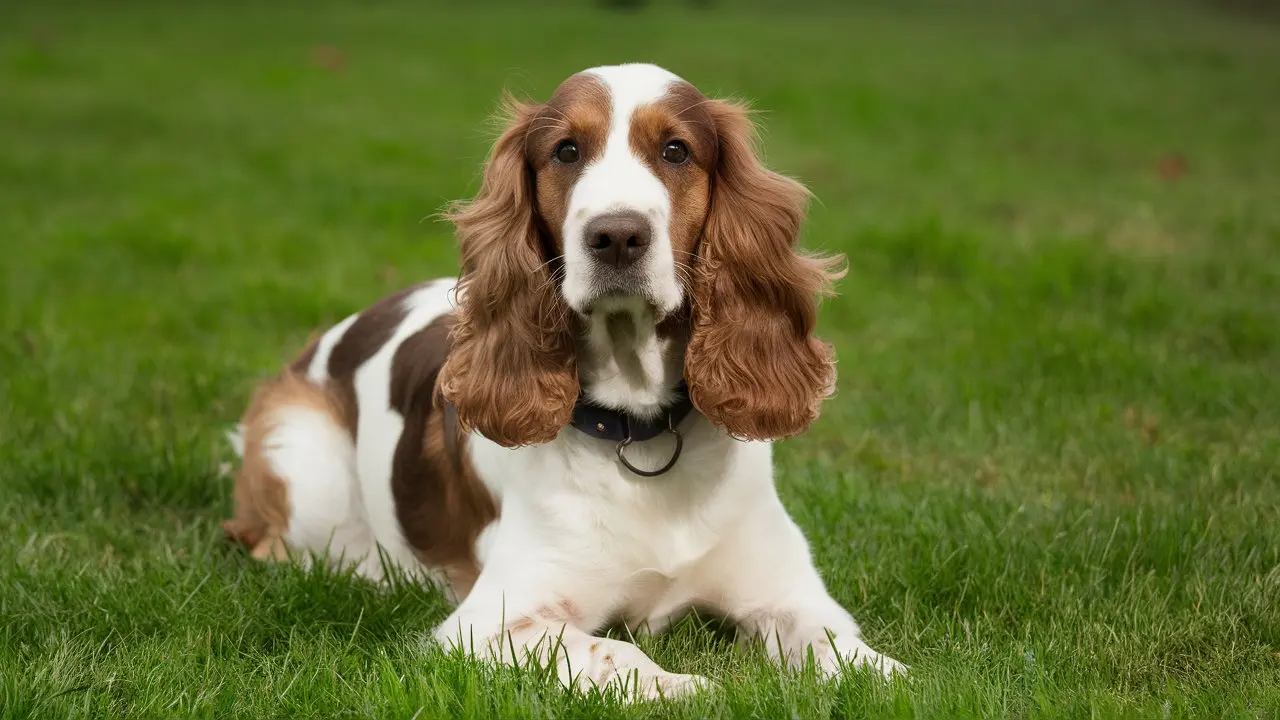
(619, 303)
(636, 300)
(641, 308)
(606, 291)
(624, 327)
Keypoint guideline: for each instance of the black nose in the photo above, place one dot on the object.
(618, 239)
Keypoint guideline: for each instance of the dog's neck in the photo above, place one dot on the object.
(629, 361)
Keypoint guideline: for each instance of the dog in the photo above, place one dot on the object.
(577, 431)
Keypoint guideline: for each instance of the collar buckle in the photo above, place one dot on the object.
(626, 441)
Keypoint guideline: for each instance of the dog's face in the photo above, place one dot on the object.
(630, 188)
(622, 159)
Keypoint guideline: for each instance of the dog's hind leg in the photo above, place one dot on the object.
(296, 487)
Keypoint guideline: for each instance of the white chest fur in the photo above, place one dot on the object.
(576, 510)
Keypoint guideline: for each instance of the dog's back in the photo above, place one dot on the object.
(344, 451)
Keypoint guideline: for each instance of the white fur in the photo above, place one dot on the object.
(379, 426)
(318, 370)
(316, 460)
(580, 540)
(640, 381)
(619, 180)
(340, 494)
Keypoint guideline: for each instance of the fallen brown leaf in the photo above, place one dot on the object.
(1147, 425)
(328, 57)
(1172, 167)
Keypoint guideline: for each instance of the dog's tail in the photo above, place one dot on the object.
(235, 437)
(236, 529)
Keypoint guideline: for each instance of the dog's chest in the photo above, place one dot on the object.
(622, 546)
(655, 538)
(642, 544)
(596, 514)
(657, 525)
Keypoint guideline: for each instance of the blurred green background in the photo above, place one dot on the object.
(1048, 482)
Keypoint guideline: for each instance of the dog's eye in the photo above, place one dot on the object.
(675, 152)
(566, 152)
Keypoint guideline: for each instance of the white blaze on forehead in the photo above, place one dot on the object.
(618, 180)
(631, 86)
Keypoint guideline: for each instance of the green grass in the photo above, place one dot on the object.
(1049, 482)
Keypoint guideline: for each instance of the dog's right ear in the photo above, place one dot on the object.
(511, 373)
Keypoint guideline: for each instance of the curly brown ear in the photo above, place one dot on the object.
(753, 365)
(511, 371)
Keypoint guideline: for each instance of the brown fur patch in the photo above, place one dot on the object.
(366, 336)
(441, 503)
(521, 625)
(261, 498)
(302, 363)
(579, 110)
(680, 115)
(272, 549)
(570, 609)
(565, 611)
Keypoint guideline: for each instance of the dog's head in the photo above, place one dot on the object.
(629, 191)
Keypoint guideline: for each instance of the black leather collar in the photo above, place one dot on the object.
(608, 424)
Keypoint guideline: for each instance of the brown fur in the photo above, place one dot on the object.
(578, 109)
(753, 364)
(512, 374)
(303, 361)
(441, 503)
(371, 330)
(681, 115)
(261, 498)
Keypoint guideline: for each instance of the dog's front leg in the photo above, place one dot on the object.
(816, 624)
(515, 626)
(763, 578)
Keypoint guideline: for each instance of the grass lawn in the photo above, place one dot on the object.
(1050, 481)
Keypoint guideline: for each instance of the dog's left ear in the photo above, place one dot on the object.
(754, 366)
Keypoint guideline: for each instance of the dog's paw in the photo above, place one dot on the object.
(886, 665)
(858, 657)
(670, 686)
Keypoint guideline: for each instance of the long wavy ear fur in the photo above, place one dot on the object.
(753, 364)
(511, 373)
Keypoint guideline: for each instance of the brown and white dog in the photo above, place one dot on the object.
(577, 431)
